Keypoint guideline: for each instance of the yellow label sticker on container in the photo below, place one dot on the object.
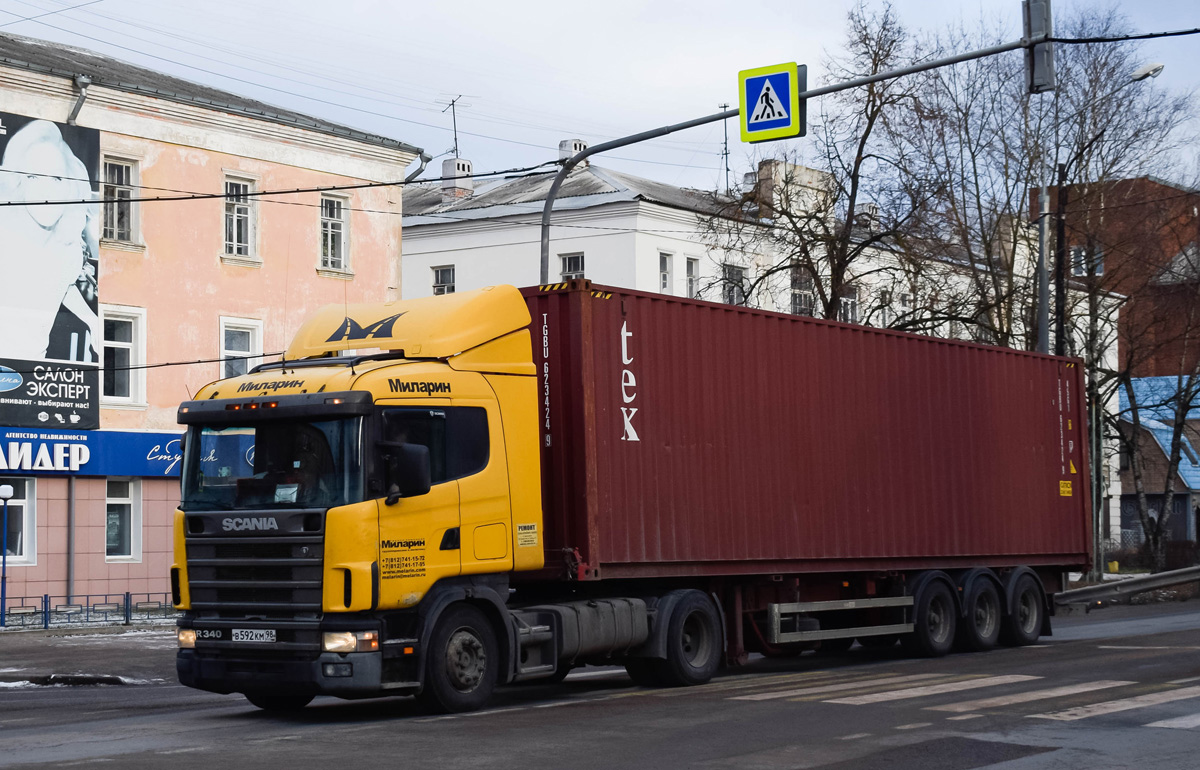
(1064, 488)
(527, 535)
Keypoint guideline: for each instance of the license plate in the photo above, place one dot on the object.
(253, 634)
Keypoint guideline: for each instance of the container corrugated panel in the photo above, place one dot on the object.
(692, 438)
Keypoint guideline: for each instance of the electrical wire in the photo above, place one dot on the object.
(40, 15)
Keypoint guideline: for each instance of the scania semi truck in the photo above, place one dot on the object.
(437, 496)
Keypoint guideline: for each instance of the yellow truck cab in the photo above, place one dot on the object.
(336, 502)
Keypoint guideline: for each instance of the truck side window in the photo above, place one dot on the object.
(457, 437)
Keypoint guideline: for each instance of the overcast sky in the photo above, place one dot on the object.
(531, 73)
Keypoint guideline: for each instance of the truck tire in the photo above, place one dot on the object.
(463, 662)
(278, 702)
(1023, 624)
(979, 627)
(693, 642)
(935, 619)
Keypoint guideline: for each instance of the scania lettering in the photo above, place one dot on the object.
(721, 481)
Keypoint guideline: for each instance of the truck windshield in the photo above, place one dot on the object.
(277, 464)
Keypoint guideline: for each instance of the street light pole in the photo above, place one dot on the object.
(6, 491)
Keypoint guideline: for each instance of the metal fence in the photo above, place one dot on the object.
(49, 611)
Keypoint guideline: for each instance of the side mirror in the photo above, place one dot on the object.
(408, 472)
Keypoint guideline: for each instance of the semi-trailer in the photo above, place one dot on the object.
(441, 495)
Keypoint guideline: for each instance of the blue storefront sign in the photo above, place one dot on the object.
(89, 453)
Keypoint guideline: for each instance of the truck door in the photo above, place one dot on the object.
(418, 536)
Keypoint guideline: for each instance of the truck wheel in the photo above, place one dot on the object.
(644, 671)
(462, 665)
(980, 626)
(935, 620)
(1024, 624)
(278, 702)
(693, 642)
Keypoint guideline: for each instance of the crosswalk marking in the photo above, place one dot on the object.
(935, 689)
(1179, 723)
(914, 726)
(1125, 704)
(840, 687)
(963, 717)
(1026, 697)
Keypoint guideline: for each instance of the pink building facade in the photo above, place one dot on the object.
(105, 287)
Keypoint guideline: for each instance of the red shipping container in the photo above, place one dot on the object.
(682, 437)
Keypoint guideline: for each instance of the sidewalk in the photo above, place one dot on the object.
(107, 654)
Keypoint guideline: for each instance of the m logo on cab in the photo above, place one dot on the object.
(350, 330)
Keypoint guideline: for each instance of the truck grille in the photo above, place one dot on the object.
(256, 574)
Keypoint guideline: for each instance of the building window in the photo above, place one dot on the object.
(848, 304)
(572, 266)
(239, 218)
(693, 278)
(123, 521)
(804, 296)
(119, 182)
(664, 272)
(443, 280)
(22, 521)
(334, 229)
(241, 345)
(123, 382)
(1082, 260)
(733, 285)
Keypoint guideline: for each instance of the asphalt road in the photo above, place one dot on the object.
(1117, 688)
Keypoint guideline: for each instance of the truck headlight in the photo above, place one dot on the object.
(187, 638)
(350, 641)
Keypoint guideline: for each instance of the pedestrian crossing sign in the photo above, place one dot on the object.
(771, 107)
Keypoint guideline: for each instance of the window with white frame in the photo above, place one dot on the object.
(239, 218)
(1084, 260)
(335, 228)
(22, 521)
(241, 345)
(572, 266)
(123, 520)
(693, 278)
(664, 272)
(804, 295)
(733, 285)
(120, 179)
(124, 351)
(848, 304)
(443, 279)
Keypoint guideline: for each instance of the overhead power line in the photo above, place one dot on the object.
(47, 13)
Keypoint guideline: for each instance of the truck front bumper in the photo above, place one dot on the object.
(345, 675)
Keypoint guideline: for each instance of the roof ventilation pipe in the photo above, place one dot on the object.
(569, 148)
(457, 182)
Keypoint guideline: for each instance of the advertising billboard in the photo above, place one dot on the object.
(49, 251)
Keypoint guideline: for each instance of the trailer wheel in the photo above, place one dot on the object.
(693, 642)
(462, 665)
(980, 627)
(935, 619)
(278, 702)
(1023, 625)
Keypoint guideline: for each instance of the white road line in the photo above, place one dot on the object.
(839, 687)
(914, 726)
(1178, 723)
(1145, 647)
(964, 717)
(1113, 706)
(1189, 680)
(933, 689)
(855, 736)
(1026, 697)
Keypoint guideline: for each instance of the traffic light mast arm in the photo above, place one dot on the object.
(574, 160)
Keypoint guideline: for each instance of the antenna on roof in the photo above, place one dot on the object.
(452, 106)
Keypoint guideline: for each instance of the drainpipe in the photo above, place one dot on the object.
(81, 82)
(70, 538)
(425, 158)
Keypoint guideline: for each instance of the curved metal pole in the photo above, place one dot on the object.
(574, 160)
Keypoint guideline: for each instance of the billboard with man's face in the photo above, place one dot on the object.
(49, 322)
